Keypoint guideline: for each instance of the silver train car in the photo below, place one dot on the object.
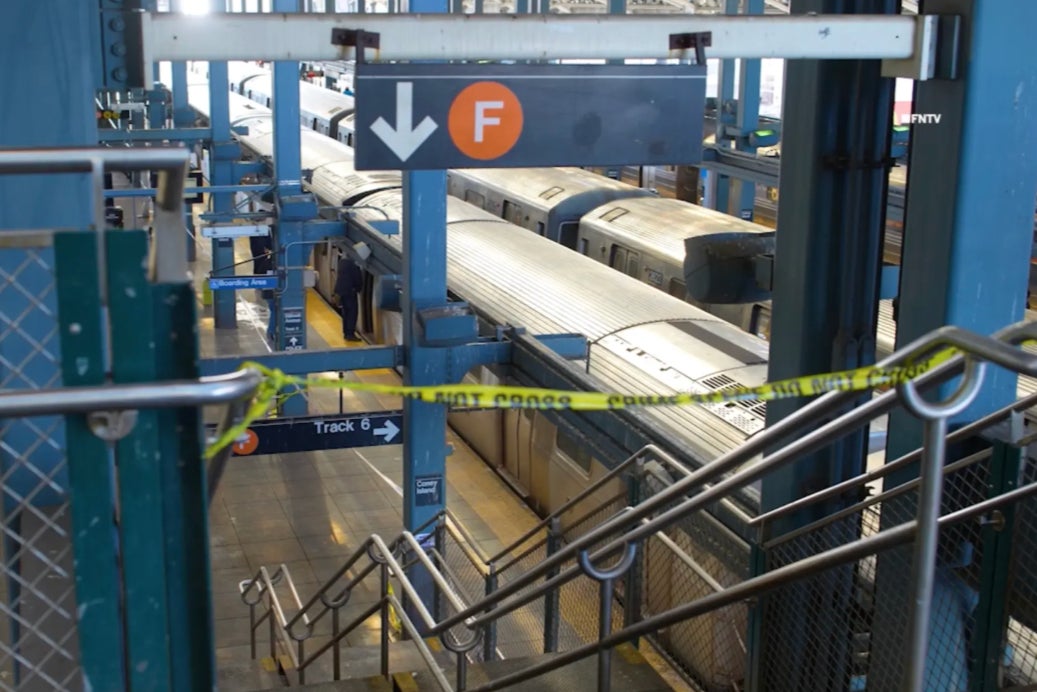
(320, 109)
(548, 201)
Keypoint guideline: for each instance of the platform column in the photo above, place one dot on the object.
(53, 71)
(747, 119)
(830, 228)
(968, 231)
(224, 153)
(293, 208)
(424, 286)
(183, 116)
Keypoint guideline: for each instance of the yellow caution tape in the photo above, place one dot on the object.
(276, 383)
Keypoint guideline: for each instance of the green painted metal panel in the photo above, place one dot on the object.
(991, 617)
(185, 505)
(90, 473)
(139, 460)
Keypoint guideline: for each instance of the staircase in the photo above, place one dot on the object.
(653, 552)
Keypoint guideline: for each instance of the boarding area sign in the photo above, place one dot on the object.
(438, 116)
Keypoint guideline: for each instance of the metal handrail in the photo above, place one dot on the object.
(958, 435)
(872, 500)
(994, 349)
(218, 389)
(637, 522)
(361, 551)
(756, 586)
(650, 450)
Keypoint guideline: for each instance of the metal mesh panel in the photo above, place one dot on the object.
(1019, 662)
(38, 643)
(695, 557)
(818, 632)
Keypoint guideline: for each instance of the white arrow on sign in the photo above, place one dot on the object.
(293, 341)
(387, 431)
(404, 140)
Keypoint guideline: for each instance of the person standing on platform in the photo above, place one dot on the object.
(348, 283)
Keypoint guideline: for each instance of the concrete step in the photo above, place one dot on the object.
(630, 673)
(361, 665)
(246, 675)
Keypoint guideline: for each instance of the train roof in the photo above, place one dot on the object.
(243, 112)
(659, 225)
(551, 188)
(519, 278)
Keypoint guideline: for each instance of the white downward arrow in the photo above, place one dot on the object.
(404, 141)
(387, 431)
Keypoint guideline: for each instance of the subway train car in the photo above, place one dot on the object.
(320, 109)
(548, 201)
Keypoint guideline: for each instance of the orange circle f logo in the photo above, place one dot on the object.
(485, 120)
(246, 444)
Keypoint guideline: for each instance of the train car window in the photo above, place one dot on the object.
(540, 228)
(761, 321)
(583, 246)
(576, 454)
(473, 197)
(513, 213)
(634, 265)
(619, 258)
(678, 289)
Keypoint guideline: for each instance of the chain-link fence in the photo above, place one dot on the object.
(1018, 662)
(38, 642)
(847, 628)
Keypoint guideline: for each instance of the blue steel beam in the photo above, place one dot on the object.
(189, 134)
(831, 223)
(306, 362)
(956, 270)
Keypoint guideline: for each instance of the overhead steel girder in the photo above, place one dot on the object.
(909, 43)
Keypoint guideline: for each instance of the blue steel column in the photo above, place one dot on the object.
(965, 261)
(718, 186)
(293, 208)
(183, 116)
(748, 118)
(223, 153)
(424, 286)
(830, 227)
(52, 70)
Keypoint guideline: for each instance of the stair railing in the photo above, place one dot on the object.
(728, 473)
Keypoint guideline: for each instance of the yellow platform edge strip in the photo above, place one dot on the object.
(278, 384)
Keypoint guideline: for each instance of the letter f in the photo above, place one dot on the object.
(481, 120)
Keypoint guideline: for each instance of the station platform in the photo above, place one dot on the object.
(311, 510)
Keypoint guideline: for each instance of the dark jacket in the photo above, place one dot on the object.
(350, 278)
